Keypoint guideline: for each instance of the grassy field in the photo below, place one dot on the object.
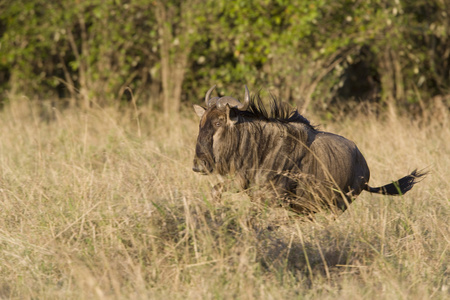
(104, 205)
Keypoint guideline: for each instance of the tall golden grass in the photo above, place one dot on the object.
(102, 204)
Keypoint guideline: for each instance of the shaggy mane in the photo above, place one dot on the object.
(279, 112)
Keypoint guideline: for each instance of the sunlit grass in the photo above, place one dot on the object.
(98, 205)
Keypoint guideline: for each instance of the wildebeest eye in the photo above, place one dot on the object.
(218, 122)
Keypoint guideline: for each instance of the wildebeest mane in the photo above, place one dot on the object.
(279, 111)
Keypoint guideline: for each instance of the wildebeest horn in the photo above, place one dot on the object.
(208, 94)
(246, 99)
(222, 102)
(213, 101)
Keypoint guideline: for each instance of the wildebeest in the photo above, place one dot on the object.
(280, 151)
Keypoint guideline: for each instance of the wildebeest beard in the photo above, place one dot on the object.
(281, 152)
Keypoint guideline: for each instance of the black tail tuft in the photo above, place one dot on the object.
(400, 186)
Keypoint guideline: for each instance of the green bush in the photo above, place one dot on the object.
(311, 53)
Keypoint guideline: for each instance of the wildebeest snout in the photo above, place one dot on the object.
(200, 166)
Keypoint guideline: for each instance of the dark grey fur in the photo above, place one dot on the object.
(282, 152)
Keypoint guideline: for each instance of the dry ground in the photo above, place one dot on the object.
(104, 205)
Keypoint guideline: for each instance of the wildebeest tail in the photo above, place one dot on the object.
(400, 186)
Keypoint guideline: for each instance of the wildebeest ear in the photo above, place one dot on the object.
(232, 117)
(199, 110)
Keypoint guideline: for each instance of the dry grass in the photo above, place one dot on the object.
(98, 205)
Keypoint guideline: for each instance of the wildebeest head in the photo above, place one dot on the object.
(218, 114)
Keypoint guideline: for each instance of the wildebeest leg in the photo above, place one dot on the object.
(217, 190)
(313, 195)
(291, 191)
(224, 185)
(343, 201)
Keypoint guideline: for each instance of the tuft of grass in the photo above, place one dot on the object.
(103, 204)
